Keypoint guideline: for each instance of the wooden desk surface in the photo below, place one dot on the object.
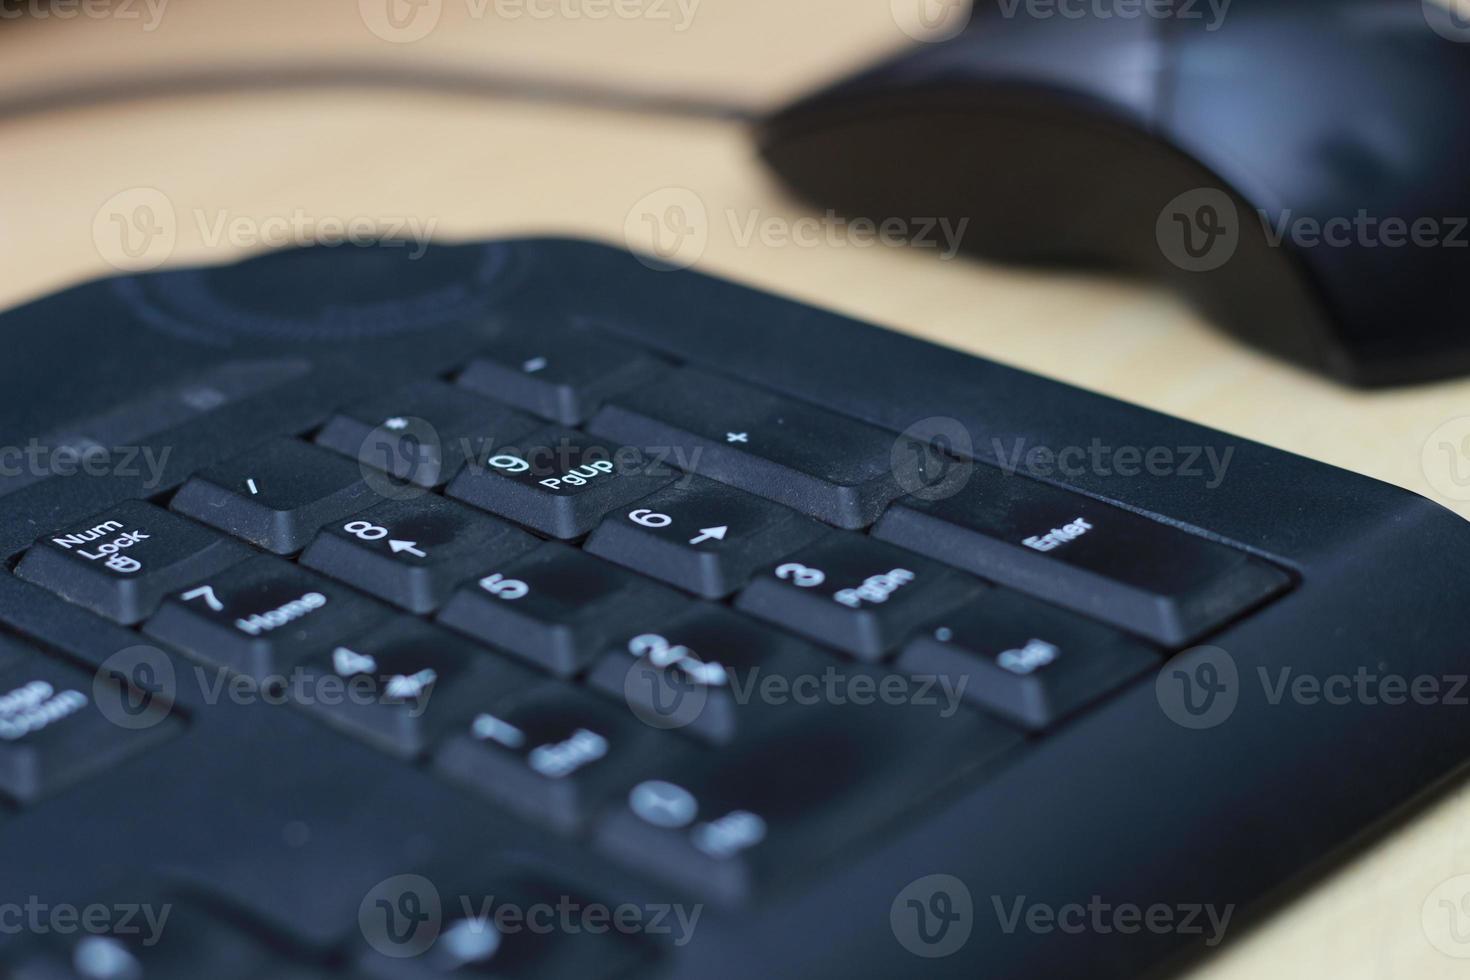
(465, 166)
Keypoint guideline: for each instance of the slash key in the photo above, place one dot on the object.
(276, 496)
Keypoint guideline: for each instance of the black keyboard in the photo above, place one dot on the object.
(532, 611)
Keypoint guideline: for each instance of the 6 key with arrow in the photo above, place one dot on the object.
(702, 536)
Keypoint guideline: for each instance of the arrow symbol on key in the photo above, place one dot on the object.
(412, 547)
(710, 534)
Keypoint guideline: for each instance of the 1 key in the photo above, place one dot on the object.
(552, 753)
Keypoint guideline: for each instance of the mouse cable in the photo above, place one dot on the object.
(529, 88)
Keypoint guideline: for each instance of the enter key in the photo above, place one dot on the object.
(1116, 566)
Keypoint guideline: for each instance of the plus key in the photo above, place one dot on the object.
(825, 465)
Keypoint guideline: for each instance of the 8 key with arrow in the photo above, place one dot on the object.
(413, 553)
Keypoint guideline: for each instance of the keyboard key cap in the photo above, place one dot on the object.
(831, 467)
(12, 652)
(414, 553)
(53, 734)
(168, 937)
(423, 433)
(154, 410)
(863, 597)
(727, 826)
(259, 617)
(562, 375)
(121, 562)
(702, 674)
(553, 753)
(702, 536)
(1138, 574)
(276, 496)
(497, 929)
(402, 686)
(559, 482)
(559, 608)
(1024, 660)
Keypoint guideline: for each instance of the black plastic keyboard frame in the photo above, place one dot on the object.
(1120, 803)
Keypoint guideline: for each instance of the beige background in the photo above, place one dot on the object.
(465, 165)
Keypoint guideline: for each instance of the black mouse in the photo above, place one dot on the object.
(1301, 168)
